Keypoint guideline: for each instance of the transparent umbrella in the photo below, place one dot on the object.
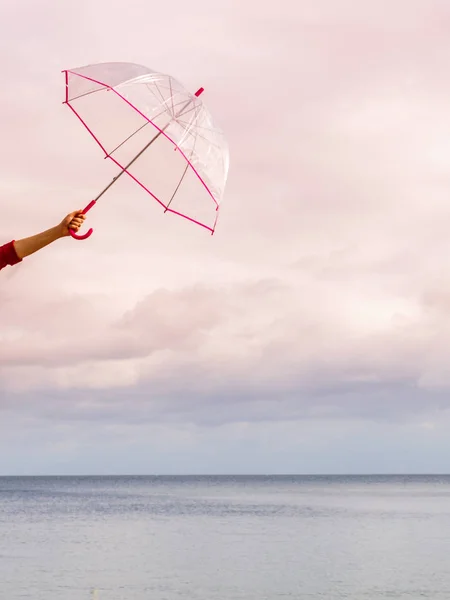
(157, 133)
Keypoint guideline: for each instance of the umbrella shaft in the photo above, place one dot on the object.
(131, 162)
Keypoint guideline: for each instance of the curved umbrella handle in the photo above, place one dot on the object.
(81, 237)
(90, 231)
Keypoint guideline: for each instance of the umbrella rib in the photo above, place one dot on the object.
(159, 91)
(171, 95)
(184, 174)
(186, 112)
(128, 138)
(147, 85)
(212, 130)
(178, 186)
(102, 89)
(138, 130)
(199, 135)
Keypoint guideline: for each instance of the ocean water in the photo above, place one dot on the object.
(224, 538)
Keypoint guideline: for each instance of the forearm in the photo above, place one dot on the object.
(32, 244)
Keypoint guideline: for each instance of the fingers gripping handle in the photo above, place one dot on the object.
(90, 231)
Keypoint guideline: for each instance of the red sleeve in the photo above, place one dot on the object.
(8, 255)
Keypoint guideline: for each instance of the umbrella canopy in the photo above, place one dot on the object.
(158, 133)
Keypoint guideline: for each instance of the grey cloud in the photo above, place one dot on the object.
(165, 403)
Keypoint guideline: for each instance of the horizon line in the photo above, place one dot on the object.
(241, 475)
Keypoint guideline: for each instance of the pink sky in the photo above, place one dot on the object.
(320, 307)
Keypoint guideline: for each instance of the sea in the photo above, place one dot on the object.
(225, 538)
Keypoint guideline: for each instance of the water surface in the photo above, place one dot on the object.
(225, 538)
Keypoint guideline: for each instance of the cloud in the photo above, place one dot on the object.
(261, 351)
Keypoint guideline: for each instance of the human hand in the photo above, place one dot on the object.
(73, 221)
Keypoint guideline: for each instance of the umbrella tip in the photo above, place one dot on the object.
(199, 91)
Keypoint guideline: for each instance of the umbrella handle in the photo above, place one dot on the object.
(90, 231)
